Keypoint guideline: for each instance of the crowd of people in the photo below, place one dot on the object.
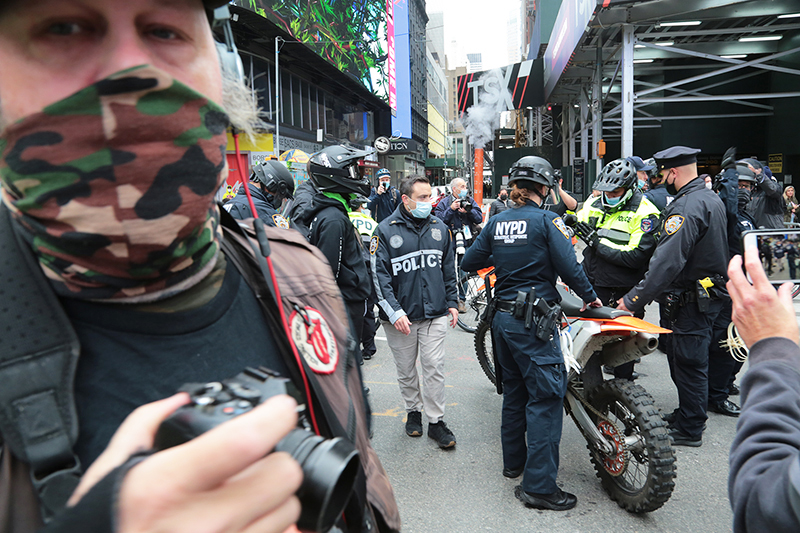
(113, 142)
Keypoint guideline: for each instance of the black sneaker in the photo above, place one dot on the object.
(558, 501)
(679, 438)
(442, 435)
(414, 424)
(733, 390)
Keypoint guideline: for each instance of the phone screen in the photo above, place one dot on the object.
(779, 251)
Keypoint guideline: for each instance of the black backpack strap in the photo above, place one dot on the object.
(38, 355)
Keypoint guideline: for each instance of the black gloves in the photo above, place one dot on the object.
(587, 234)
(729, 159)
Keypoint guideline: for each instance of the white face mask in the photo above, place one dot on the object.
(708, 185)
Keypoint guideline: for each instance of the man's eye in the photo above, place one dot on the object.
(164, 33)
(64, 28)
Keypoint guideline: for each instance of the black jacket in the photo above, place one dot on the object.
(456, 220)
(331, 231)
(300, 210)
(498, 206)
(413, 267)
(767, 205)
(764, 477)
(529, 247)
(383, 205)
(692, 245)
(239, 207)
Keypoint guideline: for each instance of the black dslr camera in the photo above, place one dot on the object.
(330, 466)
(466, 203)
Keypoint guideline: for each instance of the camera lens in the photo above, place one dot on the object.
(329, 468)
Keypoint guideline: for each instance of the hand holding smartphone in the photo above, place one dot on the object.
(779, 251)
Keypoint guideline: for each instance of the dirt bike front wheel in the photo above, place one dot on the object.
(484, 350)
(642, 480)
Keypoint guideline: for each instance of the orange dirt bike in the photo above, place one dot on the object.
(628, 440)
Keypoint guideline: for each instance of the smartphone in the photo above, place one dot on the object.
(779, 250)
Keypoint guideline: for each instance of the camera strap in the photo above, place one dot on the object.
(39, 352)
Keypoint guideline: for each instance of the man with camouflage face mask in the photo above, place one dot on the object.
(112, 146)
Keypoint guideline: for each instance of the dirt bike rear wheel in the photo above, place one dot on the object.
(647, 481)
(483, 350)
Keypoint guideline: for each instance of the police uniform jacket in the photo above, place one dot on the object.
(659, 197)
(529, 247)
(239, 207)
(626, 240)
(365, 227)
(413, 267)
(692, 245)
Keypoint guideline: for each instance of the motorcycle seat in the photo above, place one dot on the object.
(571, 305)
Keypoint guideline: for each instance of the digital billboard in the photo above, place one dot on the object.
(401, 119)
(523, 81)
(353, 35)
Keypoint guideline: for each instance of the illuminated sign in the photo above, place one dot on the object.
(401, 121)
(571, 22)
(352, 35)
(524, 82)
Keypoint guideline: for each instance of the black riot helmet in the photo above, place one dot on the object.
(745, 174)
(335, 169)
(531, 169)
(275, 178)
(616, 174)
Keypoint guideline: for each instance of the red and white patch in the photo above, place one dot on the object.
(314, 340)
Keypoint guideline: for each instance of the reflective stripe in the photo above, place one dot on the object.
(617, 236)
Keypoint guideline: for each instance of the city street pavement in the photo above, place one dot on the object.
(463, 490)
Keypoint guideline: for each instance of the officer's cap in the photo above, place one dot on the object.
(640, 165)
(676, 156)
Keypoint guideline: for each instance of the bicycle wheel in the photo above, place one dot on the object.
(484, 350)
(475, 301)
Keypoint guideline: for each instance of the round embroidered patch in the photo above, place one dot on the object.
(280, 221)
(649, 224)
(314, 340)
(395, 241)
(673, 224)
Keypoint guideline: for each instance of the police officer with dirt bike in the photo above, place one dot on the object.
(530, 247)
(688, 280)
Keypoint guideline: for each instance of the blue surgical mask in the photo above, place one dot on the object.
(422, 210)
(462, 194)
(641, 184)
(611, 201)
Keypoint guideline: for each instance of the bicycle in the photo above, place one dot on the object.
(475, 298)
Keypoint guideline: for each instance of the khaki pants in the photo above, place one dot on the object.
(425, 341)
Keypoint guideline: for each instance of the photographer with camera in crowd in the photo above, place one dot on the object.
(462, 215)
(112, 147)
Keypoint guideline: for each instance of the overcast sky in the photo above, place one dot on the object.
(477, 26)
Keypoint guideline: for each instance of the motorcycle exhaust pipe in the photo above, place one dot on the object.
(639, 345)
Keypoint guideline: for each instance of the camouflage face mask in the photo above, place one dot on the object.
(113, 186)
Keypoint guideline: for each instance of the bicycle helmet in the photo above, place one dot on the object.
(335, 169)
(275, 177)
(383, 173)
(616, 174)
(531, 169)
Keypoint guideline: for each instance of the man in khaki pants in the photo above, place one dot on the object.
(415, 281)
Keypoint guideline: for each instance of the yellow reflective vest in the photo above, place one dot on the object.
(627, 239)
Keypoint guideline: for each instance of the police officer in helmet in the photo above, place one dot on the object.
(688, 280)
(530, 247)
(619, 229)
(271, 184)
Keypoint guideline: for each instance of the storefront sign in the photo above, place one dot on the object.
(775, 163)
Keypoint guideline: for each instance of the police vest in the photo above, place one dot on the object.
(364, 225)
(621, 230)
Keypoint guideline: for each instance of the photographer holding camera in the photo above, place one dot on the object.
(462, 214)
(112, 146)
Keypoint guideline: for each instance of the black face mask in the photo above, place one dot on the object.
(671, 187)
(744, 198)
(504, 197)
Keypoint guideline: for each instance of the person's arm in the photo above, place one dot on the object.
(568, 200)
(474, 215)
(563, 257)
(380, 264)
(636, 252)
(771, 188)
(201, 485)
(764, 475)
(330, 241)
(449, 273)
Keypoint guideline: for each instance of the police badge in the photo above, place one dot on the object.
(436, 233)
(673, 224)
(373, 245)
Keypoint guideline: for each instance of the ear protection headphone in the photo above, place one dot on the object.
(229, 59)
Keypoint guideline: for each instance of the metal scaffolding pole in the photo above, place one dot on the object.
(565, 136)
(584, 114)
(531, 113)
(627, 89)
(539, 139)
(571, 118)
(597, 107)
